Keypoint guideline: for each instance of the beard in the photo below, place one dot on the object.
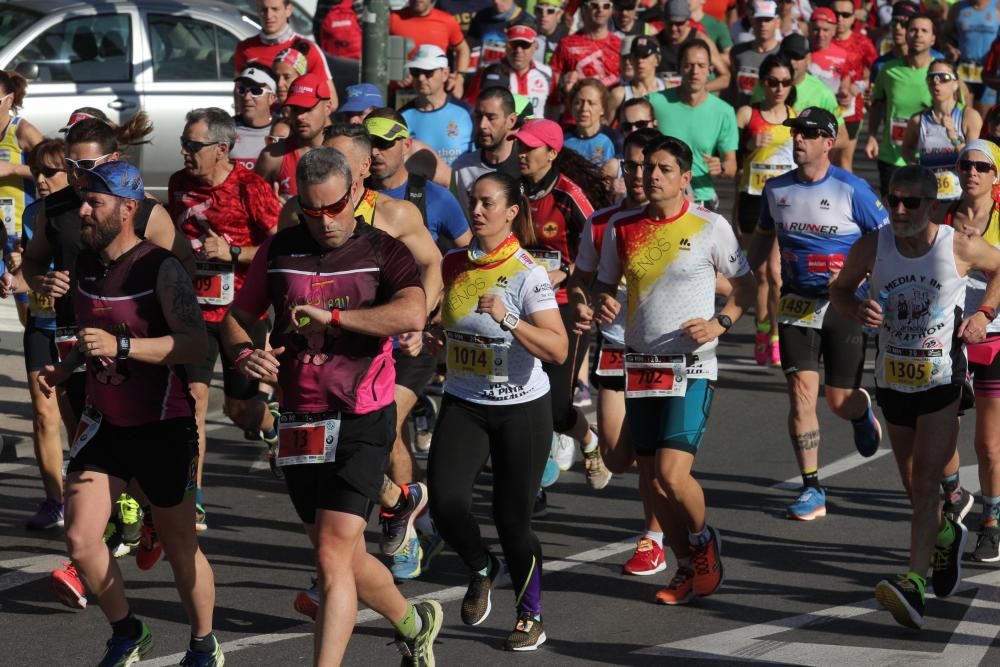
(97, 237)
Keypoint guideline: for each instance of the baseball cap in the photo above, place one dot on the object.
(293, 58)
(904, 9)
(428, 57)
(794, 46)
(119, 179)
(495, 76)
(258, 75)
(307, 91)
(386, 129)
(83, 113)
(554, 3)
(765, 9)
(678, 9)
(540, 132)
(643, 46)
(823, 14)
(814, 118)
(360, 97)
(521, 32)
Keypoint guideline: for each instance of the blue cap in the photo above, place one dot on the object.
(360, 97)
(119, 179)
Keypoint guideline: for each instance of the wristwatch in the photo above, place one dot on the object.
(124, 347)
(725, 321)
(990, 313)
(234, 252)
(509, 322)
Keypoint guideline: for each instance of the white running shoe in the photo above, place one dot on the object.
(564, 451)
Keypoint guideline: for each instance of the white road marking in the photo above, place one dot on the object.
(9, 322)
(26, 570)
(973, 636)
(849, 462)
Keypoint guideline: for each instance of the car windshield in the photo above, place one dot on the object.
(13, 22)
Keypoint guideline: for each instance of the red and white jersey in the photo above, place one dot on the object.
(831, 66)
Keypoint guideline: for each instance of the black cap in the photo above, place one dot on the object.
(794, 46)
(814, 118)
(643, 46)
(904, 9)
(495, 76)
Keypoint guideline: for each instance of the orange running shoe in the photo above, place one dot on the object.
(680, 590)
(707, 563)
(66, 585)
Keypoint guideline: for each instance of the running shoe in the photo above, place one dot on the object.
(200, 523)
(272, 443)
(987, 543)
(903, 598)
(150, 549)
(431, 544)
(541, 507)
(130, 515)
(307, 601)
(563, 451)
(199, 659)
(582, 395)
(958, 509)
(527, 635)
(48, 515)
(762, 348)
(125, 651)
(775, 352)
(551, 473)
(67, 586)
(706, 560)
(424, 416)
(477, 603)
(597, 473)
(113, 539)
(419, 651)
(680, 590)
(406, 564)
(397, 527)
(946, 561)
(867, 430)
(811, 504)
(648, 558)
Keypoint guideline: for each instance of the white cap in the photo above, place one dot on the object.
(257, 75)
(765, 9)
(428, 57)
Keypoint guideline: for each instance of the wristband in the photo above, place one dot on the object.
(990, 313)
(244, 350)
(335, 317)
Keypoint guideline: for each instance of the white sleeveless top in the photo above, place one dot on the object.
(923, 298)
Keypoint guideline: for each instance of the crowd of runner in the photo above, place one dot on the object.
(529, 222)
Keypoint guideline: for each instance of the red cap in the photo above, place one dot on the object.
(521, 33)
(307, 91)
(541, 132)
(823, 14)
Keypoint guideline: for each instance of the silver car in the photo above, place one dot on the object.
(164, 56)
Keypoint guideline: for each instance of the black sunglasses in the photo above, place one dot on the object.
(383, 144)
(49, 172)
(911, 203)
(636, 125)
(810, 133)
(426, 73)
(844, 15)
(329, 210)
(981, 166)
(193, 147)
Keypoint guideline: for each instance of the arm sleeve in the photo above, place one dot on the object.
(398, 270)
(609, 268)
(453, 222)
(264, 206)
(252, 297)
(727, 256)
(867, 209)
(586, 257)
(537, 293)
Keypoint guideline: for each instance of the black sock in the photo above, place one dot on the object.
(204, 644)
(811, 479)
(127, 627)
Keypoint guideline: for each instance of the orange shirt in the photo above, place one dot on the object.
(438, 28)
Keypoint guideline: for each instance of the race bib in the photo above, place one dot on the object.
(480, 357)
(897, 130)
(7, 208)
(65, 340)
(802, 312)
(308, 437)
(970, 72)
(611, 361)
(746, 79)
(947, 183)
(651, 375)
(214, 283)
(761, 172)
(39, 305)
(550, 260)
(671, 79)
(908, 370)
(90, 422)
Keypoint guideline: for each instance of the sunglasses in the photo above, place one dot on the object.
(519, 44)
(941, 77)
(772, 82)
(597, 6)
(272, 139)
(981, 166)
(426, 73)
(192, 147)
(255, 91)
(547, 10)
(630, 167)
(911, 203)
(86, 163)
(637, 125)
(844, 15)
(49, 172)
(330, 210)
(679, 24)
(810, 133)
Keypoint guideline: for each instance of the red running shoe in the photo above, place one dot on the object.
(647, 559)
(66, 585)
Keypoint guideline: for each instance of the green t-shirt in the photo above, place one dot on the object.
(709, 128)
(717, 32)
(903, 90)
(810, 93)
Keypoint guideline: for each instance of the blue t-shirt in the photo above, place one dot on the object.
(816, 224)
(598, 149)
(444, 215)
(447, 130)
(975, 30)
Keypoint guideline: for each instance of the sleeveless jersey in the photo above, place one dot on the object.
(938, 153)
(365, 210)
(41, 309)
(765, 162)
(918, 346)
(630, 93)
(16, 192)
(589, 257)
(121, 299)
(975, 288)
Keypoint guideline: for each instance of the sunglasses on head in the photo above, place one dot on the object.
(810, 133)
(637, 125)
(190, 146)
(911, 203)
(981, 166)
(941, 77)
(255, 91)
(49, 172)
(329, 210)
(86, 163)
(773, 82)
(548, 10)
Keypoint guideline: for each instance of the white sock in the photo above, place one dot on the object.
(423, 523)
(656, 537)
(590, 446)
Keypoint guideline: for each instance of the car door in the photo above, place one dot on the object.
(190, 67)
(83, 58)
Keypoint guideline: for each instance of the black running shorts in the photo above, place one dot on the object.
(840, 344)
(235, 384)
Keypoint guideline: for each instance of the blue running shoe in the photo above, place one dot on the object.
(199, 659)
(406, 563)
(431, 545)
(867, 430)
(811, 504)
(125, 651)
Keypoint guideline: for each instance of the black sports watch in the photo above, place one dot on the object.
(234, 251)
(124, 347)
(725, 321)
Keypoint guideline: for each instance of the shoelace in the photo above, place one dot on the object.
(805, 495)
(905, 584)
(645, 544)
(939, 559)
(129, 510)
(683, 574)
(700, 560)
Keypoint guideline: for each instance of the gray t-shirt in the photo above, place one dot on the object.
(746, 62)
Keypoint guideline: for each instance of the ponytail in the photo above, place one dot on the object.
(14, 84)
(110, 137)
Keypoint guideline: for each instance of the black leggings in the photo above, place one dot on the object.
(517, 438)
(562, 377)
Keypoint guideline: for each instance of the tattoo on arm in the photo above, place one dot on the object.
(183, 304)
(805, 441)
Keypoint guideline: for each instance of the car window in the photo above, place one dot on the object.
(82, 49)
(186, 49)
(13, 23)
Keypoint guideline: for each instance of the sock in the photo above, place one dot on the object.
(991, 510)
(424, 524)
(952, 487)
(590, 446)
(700, 538)
(656, 537)
(127, 627)
(775, 338)
(918, 580)
(946, 535)
(409, 626)
(204, 644)
(198, 500)
(811, 478)
(764, 327)
(404, 495)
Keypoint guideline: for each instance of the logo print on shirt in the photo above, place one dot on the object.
(550, 229)
(685, 244)
(452, 129)
(824, 204)
(502, 281)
